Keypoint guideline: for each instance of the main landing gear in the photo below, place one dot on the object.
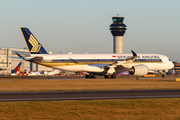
(110, 76)
(95, 76)
(91, 76)
(163, 76)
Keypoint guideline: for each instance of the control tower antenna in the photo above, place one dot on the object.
(118, 29)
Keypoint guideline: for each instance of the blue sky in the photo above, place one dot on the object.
(81, 26)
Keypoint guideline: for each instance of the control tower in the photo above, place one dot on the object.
(118, 29)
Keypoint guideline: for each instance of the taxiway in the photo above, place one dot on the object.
(88, 95)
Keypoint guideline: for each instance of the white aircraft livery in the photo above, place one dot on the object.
(108, 65)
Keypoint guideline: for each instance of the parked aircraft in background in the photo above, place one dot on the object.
(17, 69)
(108, 65)
(33, 73)
(51, 73)
(30, 73)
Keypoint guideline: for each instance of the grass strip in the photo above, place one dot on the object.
(17, 85)
(126, 109)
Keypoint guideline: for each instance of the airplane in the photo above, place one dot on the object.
(108, 65)
(30, 73)
(34, 73)
(17, 69)
(51, 73)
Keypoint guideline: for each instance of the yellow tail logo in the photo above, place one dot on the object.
(35, 46)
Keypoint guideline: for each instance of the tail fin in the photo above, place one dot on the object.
(32, 43)
(17, 68)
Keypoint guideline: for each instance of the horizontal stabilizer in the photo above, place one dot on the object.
(19, 55)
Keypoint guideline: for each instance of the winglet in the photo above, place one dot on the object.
(133, 57)
(134, 54)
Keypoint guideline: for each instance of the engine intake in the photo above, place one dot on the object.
(139, 70)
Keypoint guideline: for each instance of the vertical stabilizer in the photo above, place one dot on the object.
(32, 43)
(17, 68)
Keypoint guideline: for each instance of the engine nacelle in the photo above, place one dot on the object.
(139, 70)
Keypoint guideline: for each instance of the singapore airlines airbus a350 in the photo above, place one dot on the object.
(108, 65)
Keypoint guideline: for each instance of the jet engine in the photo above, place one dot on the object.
(139, 70)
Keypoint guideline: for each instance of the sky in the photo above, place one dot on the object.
(81, 26)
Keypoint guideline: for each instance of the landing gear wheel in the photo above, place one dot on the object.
(106, 76)
(87, 76)
(90, 76)
(95, 76)
(113, 76)
(109, 76)
(163, 76)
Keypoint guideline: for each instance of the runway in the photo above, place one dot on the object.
(88, 95)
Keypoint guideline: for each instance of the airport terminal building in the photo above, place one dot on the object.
(9, 60)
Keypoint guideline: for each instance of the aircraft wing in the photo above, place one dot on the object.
(124, 63)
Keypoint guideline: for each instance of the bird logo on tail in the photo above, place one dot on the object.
(35, 45)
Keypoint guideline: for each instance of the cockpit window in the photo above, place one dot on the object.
(169, 59)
